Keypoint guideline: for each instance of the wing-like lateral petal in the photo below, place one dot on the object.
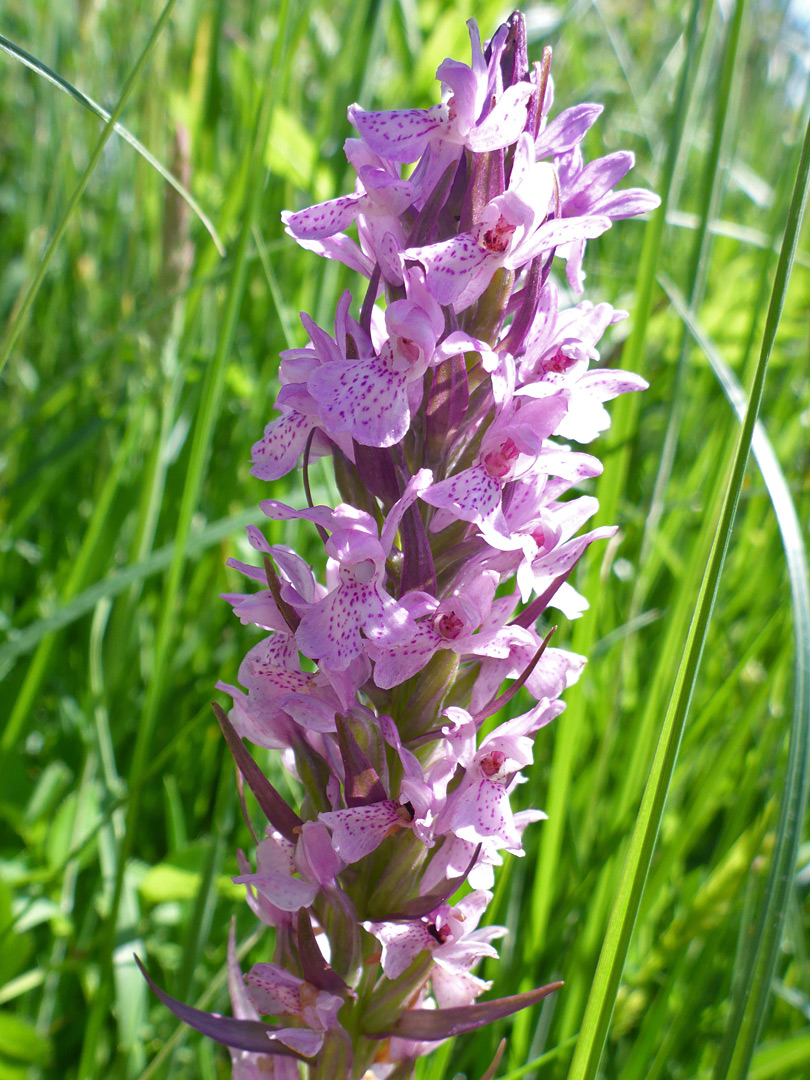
(430, 1025)
(276, 810)
(251, 1035)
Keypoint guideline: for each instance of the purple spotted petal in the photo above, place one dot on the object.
(322, 220)
(273, 990)
(365, 398)
(481, 811)
(384, 620)
(399, 135)
(472, 495)
(330, 630)
(394, 666)
(359, 830)
(607, 383)
(572, 466)
(450, 265)
(573, 266)
(388, 254)
(401, 943)
(555, 233)
(280, 447)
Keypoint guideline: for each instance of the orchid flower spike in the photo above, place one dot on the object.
(447, 395)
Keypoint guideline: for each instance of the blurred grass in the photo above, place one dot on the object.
(145, 370)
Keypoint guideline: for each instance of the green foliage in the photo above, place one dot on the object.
(140, 368)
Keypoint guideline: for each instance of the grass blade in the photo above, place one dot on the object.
(203, 434)
(37, 66)
(758, 966)
(79, 573)
(17, 322)
(23, 641)
(614, 950)
(564, 751)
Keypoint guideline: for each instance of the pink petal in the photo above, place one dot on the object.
(281, 445)
(309, 711)
(450, 265)
(341, 248)
(557, 670)
(297, 572)
(388, 255)
(303, 1040)
(569, 464)
(263, 730)
(480, 811)
(503, 125)
(605, 383)
(401, 942)
(359, 830)
(573, 266)
(330, 631)
(258, 608)
(399, 135)
(563, 558)
(555, 233)
(287, 893)
(627, 203)
(394, 666)
(322, 219)
(243, 1008)
(596, 179)
(279, 511)
(471, 495)
(315, 856)
(456, 989)
(467, 85)
(566, 130)
(365, 398)
(274, 990)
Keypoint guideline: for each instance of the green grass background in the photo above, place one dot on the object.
(139, 364)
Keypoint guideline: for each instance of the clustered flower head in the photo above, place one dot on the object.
(448, 397)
